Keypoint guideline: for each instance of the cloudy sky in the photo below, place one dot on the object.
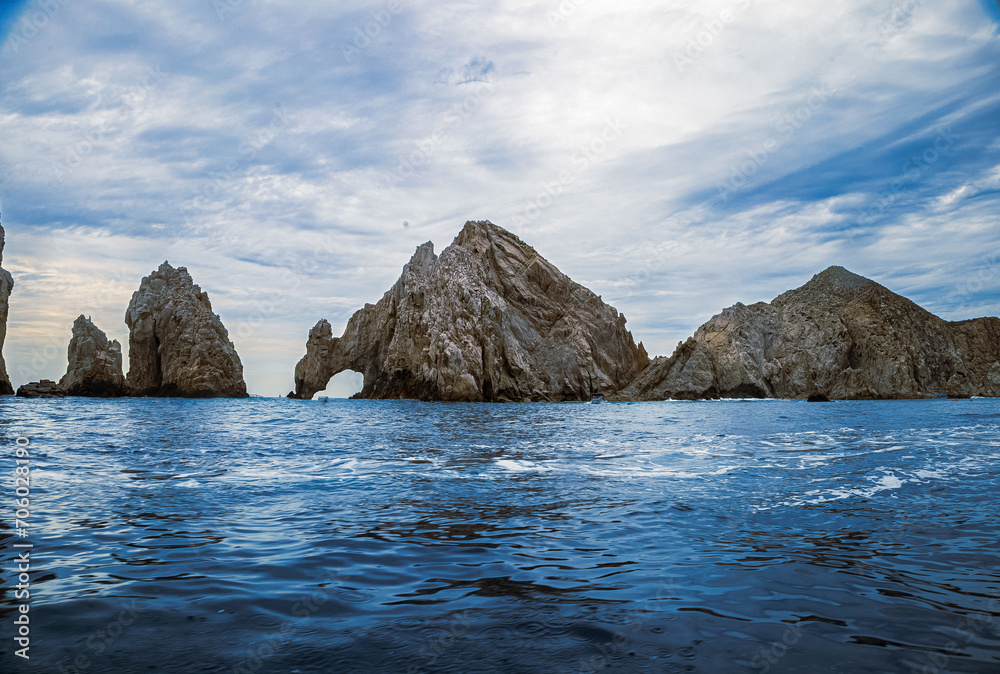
(675, 157)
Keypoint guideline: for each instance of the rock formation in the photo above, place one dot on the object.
(45, 388)
(841, 335)
(488, 319)
(177, 346)
(6, 285)
(95, 363)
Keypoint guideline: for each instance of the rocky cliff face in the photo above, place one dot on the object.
(177, 345)
(95, 363)
(488, 319)
(839, 334)
(6, 285)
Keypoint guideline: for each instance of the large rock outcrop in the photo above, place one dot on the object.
(840, 335)
(95, 363)
(6, 285)
(488, 319)
(177, 345)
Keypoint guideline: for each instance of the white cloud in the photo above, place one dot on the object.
(263, 150)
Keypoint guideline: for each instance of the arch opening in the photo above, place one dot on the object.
(342, 385)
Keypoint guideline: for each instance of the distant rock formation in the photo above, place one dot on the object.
(487, 320)
(177, 346)
(840, 335)
(45, 388)
(95, 363)
(6, 285)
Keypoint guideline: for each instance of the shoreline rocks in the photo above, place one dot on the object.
(177, 346)
(46, 388)
(839, 333)
(488, 319)
(95, 363)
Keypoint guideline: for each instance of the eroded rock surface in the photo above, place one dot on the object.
(177, 345)
(839, 334)
(45, 388)
(95, 363)
(488, 319)
(6, 286)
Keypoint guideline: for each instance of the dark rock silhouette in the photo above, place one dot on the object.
(488, 319)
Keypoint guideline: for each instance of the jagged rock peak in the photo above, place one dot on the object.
(832, 284)
(6, 286)
(478, 236)
(177, 345)
(840, 335)
(95, 363)
(423, 256)
(486, 320)
(483, 230)
(840, 277)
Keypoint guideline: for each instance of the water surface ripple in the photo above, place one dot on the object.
(271, 535)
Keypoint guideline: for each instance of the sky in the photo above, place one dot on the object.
(674, 157)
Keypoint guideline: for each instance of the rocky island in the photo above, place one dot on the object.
(840, 336)
(488, 319)
(95, 363)
(177, 345)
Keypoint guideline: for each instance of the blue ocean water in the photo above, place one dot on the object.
(272, 535)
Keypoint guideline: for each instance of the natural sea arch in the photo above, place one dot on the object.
(342, 385)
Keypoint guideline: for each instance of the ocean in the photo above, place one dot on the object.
(273, 535)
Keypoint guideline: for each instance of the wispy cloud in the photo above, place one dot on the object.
(292, 156)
